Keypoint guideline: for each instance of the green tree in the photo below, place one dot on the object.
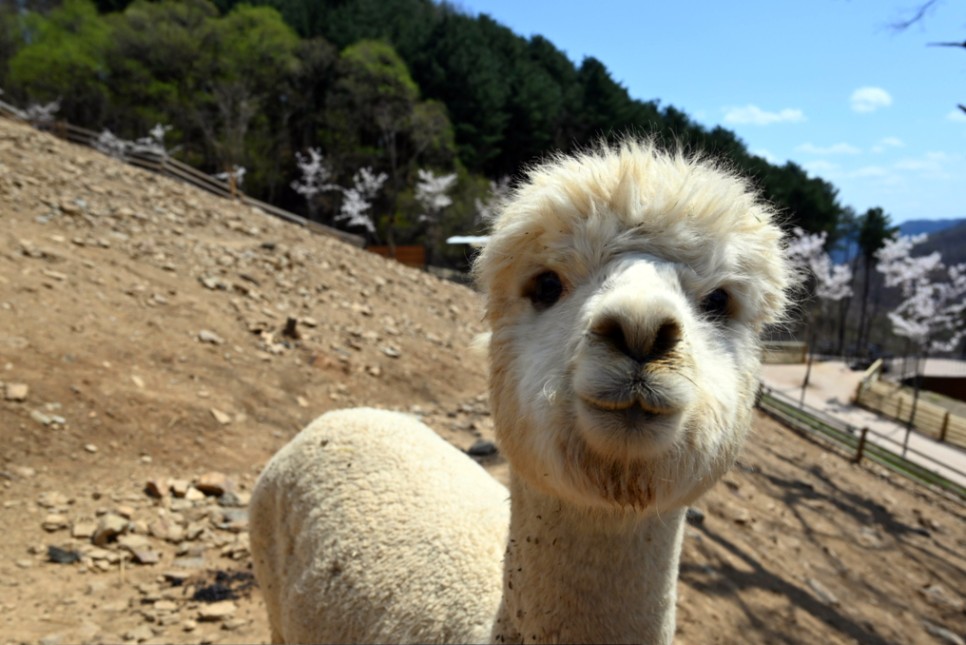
(874, 228)
(65, 60)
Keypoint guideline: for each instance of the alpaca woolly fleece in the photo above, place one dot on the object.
(369, 528)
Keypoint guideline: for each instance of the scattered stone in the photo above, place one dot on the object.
(83, 530)
(207, 336)
(16, 391)
(62, 556)
(694, 516)
(138, 381)
(89, 447)
(53, 499)
(482, 448)
(822, 592)
(217, 611)
(943, 634)
(220, 417)
(193, 494)
(109, 527)
(939, 596)
(214, 484)
(391, 351)
(55, 522)
(139, 634)
(179, 487)
(291, 329)
(156, 488)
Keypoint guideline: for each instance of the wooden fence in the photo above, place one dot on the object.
(410, 255)
(862, 444)
(892, 400)
(169, 167)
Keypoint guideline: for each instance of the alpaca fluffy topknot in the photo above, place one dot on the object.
(637, 242)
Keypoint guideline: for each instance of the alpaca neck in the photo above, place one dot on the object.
(576, 575)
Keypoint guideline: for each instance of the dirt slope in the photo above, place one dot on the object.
(158, 344)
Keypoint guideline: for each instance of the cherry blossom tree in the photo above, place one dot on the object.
(432, 193)
(832, 282)
(358, 199)
(932, 313)
(316, 176)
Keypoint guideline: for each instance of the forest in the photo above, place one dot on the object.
(399, 120)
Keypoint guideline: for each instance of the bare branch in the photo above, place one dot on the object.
(921, 11)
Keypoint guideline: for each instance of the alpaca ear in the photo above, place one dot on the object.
(480, 345)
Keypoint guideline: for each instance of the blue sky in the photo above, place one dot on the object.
(824, 83)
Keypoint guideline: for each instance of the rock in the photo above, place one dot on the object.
(943, 634)
(391, 351)
(217, 611)
(109, 526)
(220, 417)
(694, 516)
(822, 592)
(193, 494)
(16, 392)
(208, 336)
(62, 556)
(53, 499)
(145, 555)
(83, 529)
(89, 447)
(179, 487)
(234, 520)
(939, 596)
(482, 448)
(156, 488)
(55, 522)
(139, 634)
(214, 483)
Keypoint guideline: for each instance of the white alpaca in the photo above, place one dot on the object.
(625, 292)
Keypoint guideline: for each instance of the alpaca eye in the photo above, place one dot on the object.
(545, 290)
(716, 304)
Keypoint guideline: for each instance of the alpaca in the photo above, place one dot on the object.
(625, 291)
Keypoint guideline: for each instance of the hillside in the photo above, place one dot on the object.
(158, 344)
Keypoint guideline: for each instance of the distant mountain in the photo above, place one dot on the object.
(952, 243)
(929, 226)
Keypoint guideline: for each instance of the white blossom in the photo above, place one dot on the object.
(358, 199)
(111, 144)
(316, 175)
(932, 311)
(42, 114)
(236, 173)
(432, 193)
(807, 252)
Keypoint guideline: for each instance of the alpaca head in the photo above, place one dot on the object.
(626, 289)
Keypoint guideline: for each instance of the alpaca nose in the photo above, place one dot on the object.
(643, 341)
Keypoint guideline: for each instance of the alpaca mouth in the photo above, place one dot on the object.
(637, 401)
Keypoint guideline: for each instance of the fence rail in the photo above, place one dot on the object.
(855, 444)
(170, 167)
(892, 400)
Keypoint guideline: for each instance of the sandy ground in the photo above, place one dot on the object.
(157, 345)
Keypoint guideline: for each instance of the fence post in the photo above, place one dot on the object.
(861, 448)
(942, 431)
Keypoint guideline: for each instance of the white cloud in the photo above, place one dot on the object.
(835, 149)
(957, 116)
(869, 172)
(766, 155)
(870, 99)
(821, 167)
(888, 142)
(754, 115)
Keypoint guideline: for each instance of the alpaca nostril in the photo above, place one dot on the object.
(635, 341)
(667, 337)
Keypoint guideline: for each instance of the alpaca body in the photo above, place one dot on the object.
(625, 291)
(405, 500)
